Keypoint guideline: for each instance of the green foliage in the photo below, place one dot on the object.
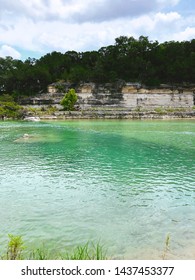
(160, 110)
(167, 247)
(17, 251)
(6, 98)
(45, 110)
(69, 100)
(59, 87)
(40, 254)
(9, 108)
(129, 59)
(87, 252)
(15, 247)
(78, 73)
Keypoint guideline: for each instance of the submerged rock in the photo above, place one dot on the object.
(26, 136)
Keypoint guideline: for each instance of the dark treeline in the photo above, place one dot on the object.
(129, 59)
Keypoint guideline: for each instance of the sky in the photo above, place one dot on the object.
(33, 28)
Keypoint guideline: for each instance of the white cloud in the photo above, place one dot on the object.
(21, 33)
(81, 10)
(46, 25)
(167, 18)
(113, 9)
(184, 35)
(45, 36)
(9, 51)
(155, 22)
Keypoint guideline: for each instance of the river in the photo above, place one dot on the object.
(125, 184)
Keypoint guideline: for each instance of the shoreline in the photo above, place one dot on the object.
(118, 114)
(38, 114)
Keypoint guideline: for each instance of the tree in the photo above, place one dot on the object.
(78, 73)
(69, 100)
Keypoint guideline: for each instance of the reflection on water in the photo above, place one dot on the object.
(127, 184)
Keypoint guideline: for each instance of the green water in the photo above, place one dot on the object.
(126, 184)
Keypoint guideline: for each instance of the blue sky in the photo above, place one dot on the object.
(35, 27)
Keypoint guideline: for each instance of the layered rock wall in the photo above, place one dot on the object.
(120, 95)
(133, 96)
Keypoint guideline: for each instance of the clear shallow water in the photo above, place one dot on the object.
(125, 183)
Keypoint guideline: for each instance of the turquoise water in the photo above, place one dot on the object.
(127, 184)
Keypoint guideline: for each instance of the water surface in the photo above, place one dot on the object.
(126, 183)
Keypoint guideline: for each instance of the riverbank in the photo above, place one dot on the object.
(17, 249)
(119, 113)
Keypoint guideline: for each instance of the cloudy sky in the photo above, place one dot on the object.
(32, 28)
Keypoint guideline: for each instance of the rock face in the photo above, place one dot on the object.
(152, 100)
(122, 95)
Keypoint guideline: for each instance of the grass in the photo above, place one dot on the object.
(167, 247)
(167, 110)
(160, 111)
(40, 111)
(17, 251)
(86, 252)
(15, 247)
(89, 251)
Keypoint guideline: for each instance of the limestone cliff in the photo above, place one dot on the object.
(120, 95)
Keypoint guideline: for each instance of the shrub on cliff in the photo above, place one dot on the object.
(69, 100)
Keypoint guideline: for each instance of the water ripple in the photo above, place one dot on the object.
(132, 181)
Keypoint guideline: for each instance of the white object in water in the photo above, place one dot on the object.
(26, 135)
(33, 119)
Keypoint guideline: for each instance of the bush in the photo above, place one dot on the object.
(69, 100)
(9, 108)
